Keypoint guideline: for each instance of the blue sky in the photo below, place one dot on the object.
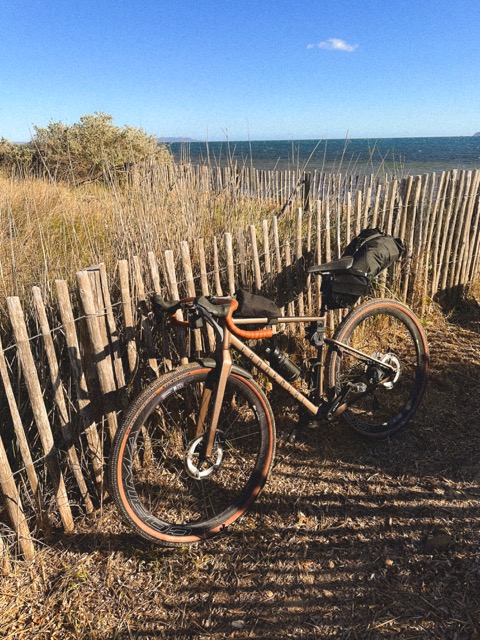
(254, 70)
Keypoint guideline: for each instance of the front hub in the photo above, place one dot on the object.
(195, 467)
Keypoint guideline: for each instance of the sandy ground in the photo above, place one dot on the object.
(349, 540)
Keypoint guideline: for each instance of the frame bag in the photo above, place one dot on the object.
(373, 251)
(254, 306)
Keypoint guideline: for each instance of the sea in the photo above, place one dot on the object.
(399, 156)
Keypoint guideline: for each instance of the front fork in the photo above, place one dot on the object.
(214, 392)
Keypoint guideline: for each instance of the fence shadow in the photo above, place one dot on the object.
(350, 539)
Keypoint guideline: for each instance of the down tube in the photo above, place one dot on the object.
(271, 373)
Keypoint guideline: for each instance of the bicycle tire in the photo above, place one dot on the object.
(150, 466)
(388, 330)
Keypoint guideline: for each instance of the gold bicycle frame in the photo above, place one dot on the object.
(224, 363)
(229, 341)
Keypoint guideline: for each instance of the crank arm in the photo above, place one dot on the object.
(339, 403)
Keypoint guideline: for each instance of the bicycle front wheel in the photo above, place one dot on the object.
(156, 481)
(388, 332)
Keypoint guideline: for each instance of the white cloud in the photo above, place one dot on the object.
(334, 44)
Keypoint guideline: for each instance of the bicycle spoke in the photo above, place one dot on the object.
(165, 480)
(389, 333)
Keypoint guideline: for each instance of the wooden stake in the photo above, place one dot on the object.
(103, 363)
(299, 261)
(14, 506)
(59, 398)
(181, 334)
(132, 355)
(216, 268)
(84, 404)
(166, 352)
(205, 288)
(190, 284)
(230, 264)
(39, 411)
(23, 446)
(256, 261)
(266, 253)
(145, 322)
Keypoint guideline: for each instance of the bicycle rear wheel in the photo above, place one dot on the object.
(154, 477)
(389, 332)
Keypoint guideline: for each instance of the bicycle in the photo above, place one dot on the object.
(195, 448)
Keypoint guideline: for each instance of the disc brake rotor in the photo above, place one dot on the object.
(207, 467)
(392, 361)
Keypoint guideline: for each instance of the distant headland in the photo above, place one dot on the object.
(477, 134)
(167, 140)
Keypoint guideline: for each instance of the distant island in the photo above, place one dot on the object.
(477, 134)
(167, 140)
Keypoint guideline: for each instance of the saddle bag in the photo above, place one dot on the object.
(342, 289)
(373, 251)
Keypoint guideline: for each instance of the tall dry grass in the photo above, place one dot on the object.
(51, 229)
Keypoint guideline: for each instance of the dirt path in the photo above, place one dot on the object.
(349, 540)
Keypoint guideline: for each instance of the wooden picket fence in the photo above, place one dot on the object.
(71, 364)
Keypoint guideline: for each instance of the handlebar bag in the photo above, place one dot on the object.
(254, 306)
(373, 251)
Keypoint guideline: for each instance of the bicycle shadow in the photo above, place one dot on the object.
(350, 538)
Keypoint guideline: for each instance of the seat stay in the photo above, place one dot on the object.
(361, 356)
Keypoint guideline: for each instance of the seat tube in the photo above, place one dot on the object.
(321, 372)
(219, 392)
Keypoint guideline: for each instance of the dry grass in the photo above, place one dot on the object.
(350, 540)
(50, 230)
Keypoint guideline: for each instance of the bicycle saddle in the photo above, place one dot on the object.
(342, 264)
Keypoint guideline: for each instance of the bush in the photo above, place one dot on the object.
(16, 158)
(91, 149)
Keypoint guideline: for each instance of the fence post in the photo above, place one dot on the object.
(216, 268)
(180, 334)
(43, 522)
(409, 243)
(145, 322)
(205, 288)
(83, 400)
(39, 410)
(190, 284)
(456, 203)
(103, 364)
(230, 263)
(59, 398)
(441, 238)
(113, 337)
(14, 506)
(166, 352)
(431, 228)
(124, 280)
(266, 257)
(256, 261)
(299, 262)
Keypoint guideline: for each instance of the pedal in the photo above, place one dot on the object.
(359, 387)
(338, 411)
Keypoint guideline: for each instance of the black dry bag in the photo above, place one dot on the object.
(254, 306)
(372, 251)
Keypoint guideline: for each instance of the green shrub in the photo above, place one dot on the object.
(91, 149)
(16, 158)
